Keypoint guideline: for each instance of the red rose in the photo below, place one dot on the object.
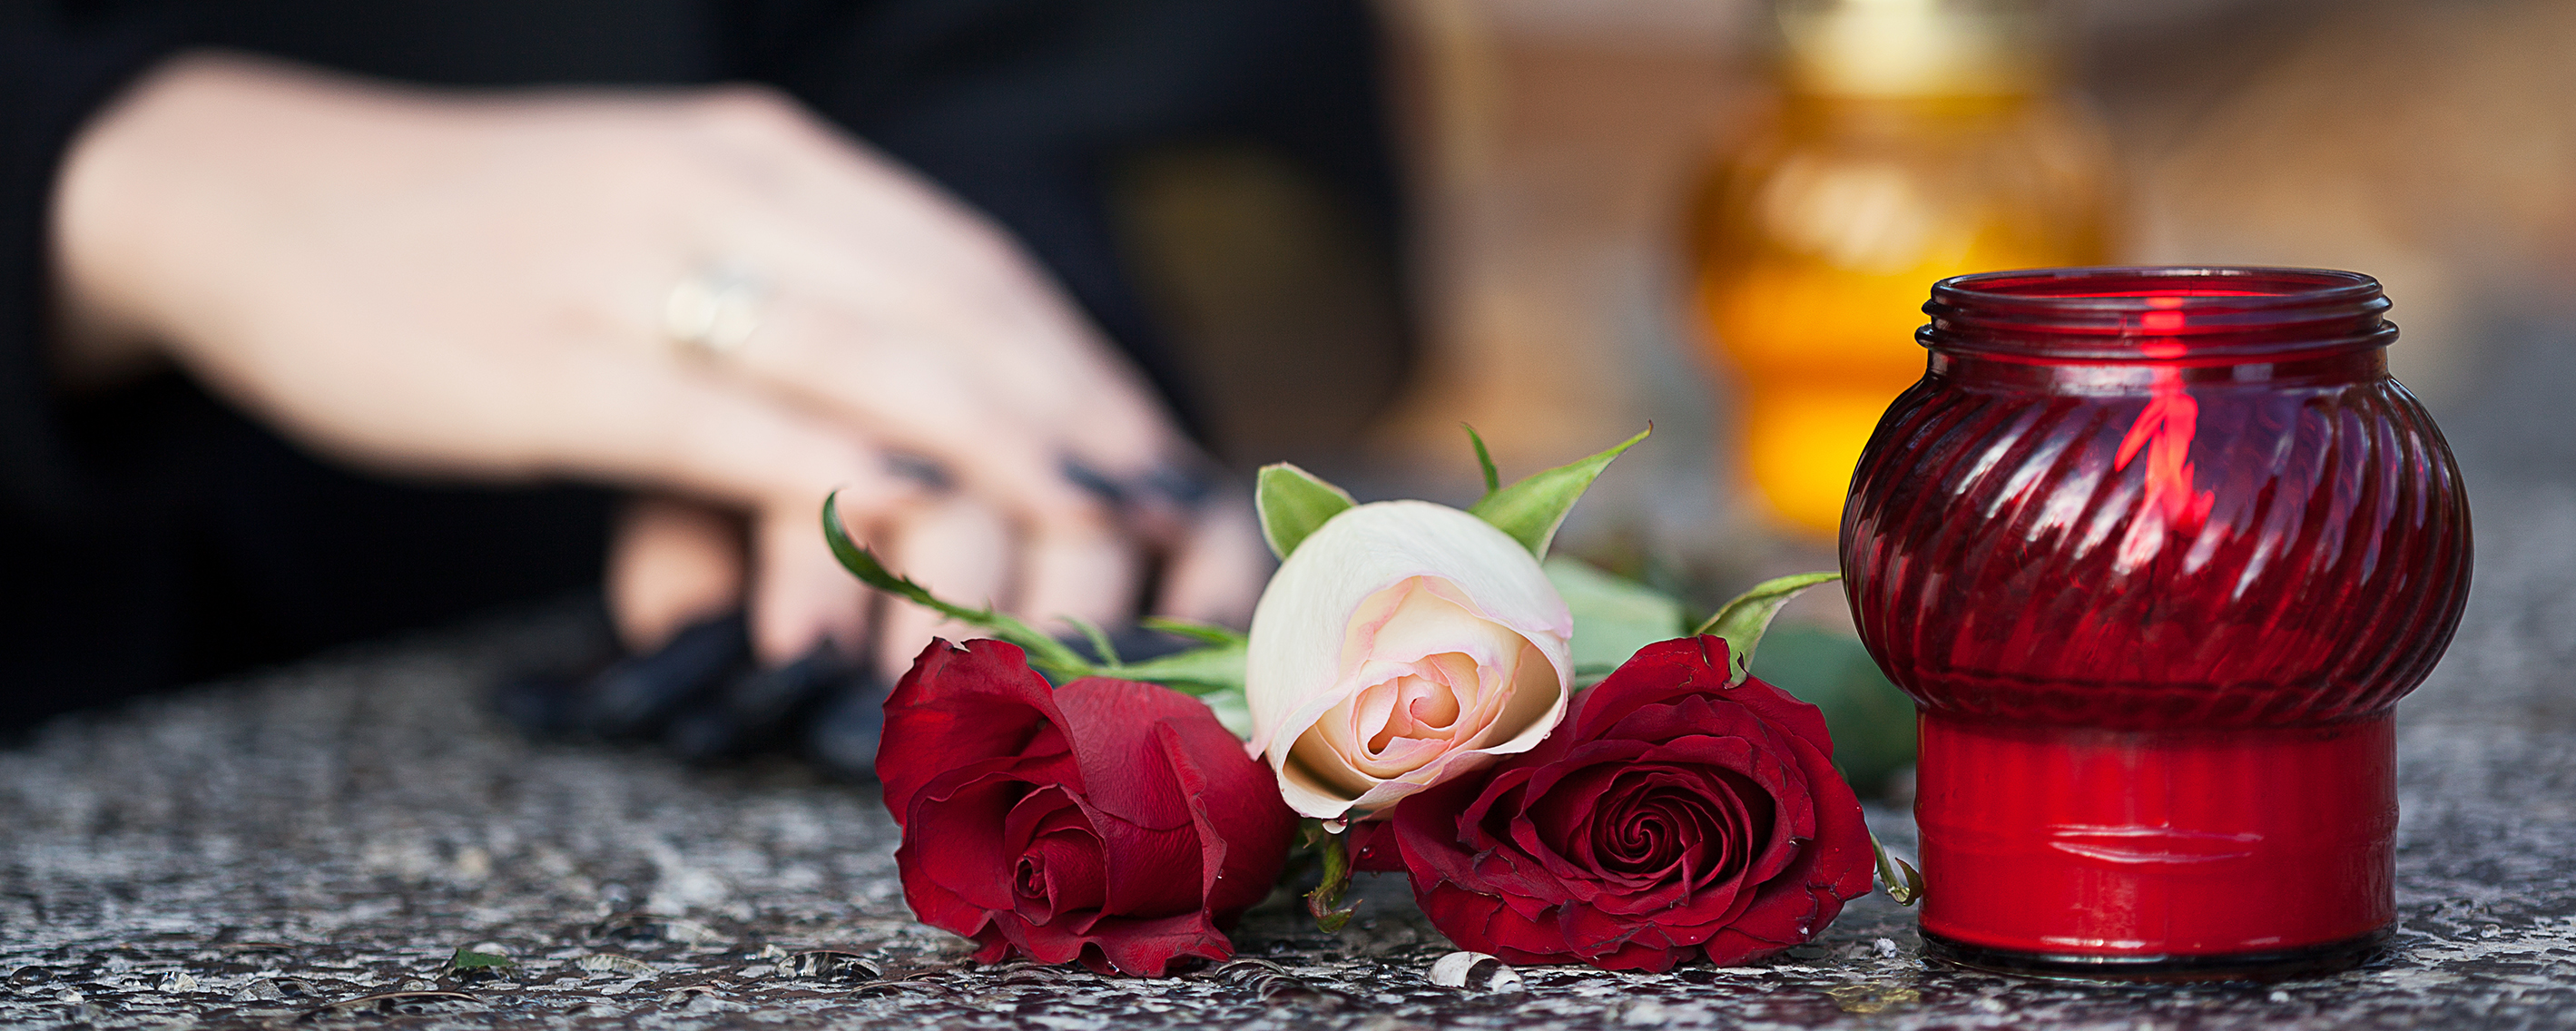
(1670, 815)
(1108, 821)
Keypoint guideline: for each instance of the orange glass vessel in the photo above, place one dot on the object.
(1912, 140)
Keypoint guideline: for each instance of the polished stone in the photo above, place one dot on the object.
(313, 844)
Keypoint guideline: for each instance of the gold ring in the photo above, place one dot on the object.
(710, 313)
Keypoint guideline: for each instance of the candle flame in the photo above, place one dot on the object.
(2164, 430)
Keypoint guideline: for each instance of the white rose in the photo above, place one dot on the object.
(1400, 644)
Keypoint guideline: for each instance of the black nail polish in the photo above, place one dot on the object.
(1182, 485)
(919, 469)
(1098, 484)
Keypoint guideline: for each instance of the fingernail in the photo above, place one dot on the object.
(1183, 486)
(1132, 642)
(1098, 484)
(919, 469)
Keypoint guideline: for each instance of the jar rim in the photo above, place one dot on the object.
(2188, 313)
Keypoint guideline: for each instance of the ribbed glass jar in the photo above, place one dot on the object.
(2156, 550)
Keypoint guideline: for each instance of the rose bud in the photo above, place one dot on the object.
(1108, 821)
(1671, 816)
(1401, 643)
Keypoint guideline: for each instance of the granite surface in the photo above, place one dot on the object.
(310, 847)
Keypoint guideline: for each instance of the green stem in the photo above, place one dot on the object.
(1325, 902)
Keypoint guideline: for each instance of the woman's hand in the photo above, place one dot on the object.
(480, 286)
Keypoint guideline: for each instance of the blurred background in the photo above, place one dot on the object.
(1691, 211)
(1723, 216)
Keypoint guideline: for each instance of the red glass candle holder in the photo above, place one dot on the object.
(2156, 551)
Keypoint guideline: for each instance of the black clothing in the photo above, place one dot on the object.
(153, 535)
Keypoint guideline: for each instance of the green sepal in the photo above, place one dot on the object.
(1484, 461)
(1901, 881)
(1217, 667)
(1325, 902)
(1101, 648)
(1532, 509)
(1294, 503)
(1743, 620)
(1206, 633)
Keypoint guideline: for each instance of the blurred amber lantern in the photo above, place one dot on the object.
(1912, 140)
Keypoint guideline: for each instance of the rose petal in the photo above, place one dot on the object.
(960, 705)
(1466, 917)
(1657, 673)
(1374, 848)
(1062, 868)
(1671, 815)
(1243, 827)
(1546, 782)
(1302, 662)
(1150, 948)
(1110, 821)
(952, 879)
(1825, 871)
(1185, 808)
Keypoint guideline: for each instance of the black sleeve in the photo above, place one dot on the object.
(57, 67)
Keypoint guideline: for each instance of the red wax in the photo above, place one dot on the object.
(2155, 551)
(2156, 843)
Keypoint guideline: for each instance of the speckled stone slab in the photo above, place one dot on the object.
(310, 847)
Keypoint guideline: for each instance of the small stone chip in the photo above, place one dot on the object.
(834, 963)
(1476, 971)
(605, 964)
(1871, 998)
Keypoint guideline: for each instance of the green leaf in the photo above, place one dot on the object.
(1212, 669)
(1484, 461)
(1531, 510)
(1231, 710)
(1613, 616)
(468, 959)
(1743, 620)
(1209, 633)
(1198, 671)
(1872, 722)
(1295, 503)
(1044, 652)
(1101, 649)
